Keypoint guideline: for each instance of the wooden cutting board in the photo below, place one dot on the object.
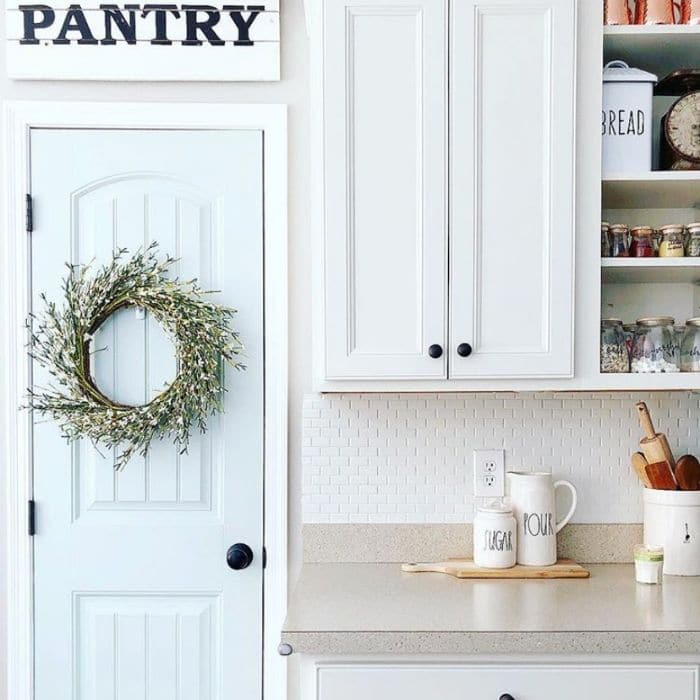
(465, 568)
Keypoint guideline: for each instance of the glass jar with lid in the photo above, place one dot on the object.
(619, 241)
(692, 248)
(690, 346)
(614, 356)
(642, 245)
(655, 346)
(672, 241)
(604, 239)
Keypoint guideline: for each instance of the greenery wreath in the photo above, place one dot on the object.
(200, 329)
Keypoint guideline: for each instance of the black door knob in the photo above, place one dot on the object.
(435, 351)
(506, 696)
(464, 350)
(239, 556)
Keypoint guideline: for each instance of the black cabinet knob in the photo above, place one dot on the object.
(239, 556)
(506, 696)
(464, 350)
(435, 351)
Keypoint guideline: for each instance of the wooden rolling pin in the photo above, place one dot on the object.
(654, 445)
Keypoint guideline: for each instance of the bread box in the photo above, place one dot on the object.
(627, 119)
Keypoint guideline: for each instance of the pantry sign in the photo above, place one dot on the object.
(152, 41)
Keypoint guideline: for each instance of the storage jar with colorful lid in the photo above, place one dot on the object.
(692, 246)
(690, 346)
(672, 241)
(642, 245)
(655, 346)
(605, 239)
(619, 241)
(614, 354)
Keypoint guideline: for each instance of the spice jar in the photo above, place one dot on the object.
(495, 536)
(642, 245)
(619, 241)
(672, 244)
(614, 356)
(655, 346)
(605, 239)
(692, 248)
(690, 346)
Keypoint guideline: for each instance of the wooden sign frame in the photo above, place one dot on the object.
(179, 41)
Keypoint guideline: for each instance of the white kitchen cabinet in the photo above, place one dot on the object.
(392, 307)
(512, 143)
(385, 188)
(417, 681)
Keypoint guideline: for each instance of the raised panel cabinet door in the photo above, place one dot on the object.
(534, 682)
(512, 89)
(385, 163)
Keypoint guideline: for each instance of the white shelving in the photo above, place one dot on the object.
(660, 189)
(650, 270)
(660, 49)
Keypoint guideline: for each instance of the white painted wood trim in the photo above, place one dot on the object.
(310, 666)
(15, 426)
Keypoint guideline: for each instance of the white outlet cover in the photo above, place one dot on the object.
(489, 473)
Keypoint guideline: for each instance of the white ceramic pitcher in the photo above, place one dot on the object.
(533, 502)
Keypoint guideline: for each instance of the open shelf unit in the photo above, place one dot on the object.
(659, 49)
(635, 287)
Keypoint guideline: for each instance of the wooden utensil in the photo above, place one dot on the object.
(465, 568)
(687, 473)
(639, 464)
(661, 477)
(654, 445)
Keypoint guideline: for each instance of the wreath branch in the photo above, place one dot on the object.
(200, 329)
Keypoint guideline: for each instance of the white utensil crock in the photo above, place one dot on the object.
(672, 520)
(533, 502)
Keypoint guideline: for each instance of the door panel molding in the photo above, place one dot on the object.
(19, 119)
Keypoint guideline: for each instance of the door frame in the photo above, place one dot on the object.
(15, 426)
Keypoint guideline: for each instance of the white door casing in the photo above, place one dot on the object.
(512, 144)
(385, 170)
(184, 496)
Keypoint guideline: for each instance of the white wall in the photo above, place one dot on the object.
(396, 458)
(291, 90)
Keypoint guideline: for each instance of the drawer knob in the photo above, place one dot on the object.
(506, 696)
(435, 351)
(464, 349)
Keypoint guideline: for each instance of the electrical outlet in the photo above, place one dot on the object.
(489, 473)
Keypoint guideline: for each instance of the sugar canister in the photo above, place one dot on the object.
(495, 535)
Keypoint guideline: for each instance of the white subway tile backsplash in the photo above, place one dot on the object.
(395, 458)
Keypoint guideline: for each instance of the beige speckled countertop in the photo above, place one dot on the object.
(365, 608)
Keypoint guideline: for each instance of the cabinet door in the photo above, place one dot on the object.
(385, 192)
(512, 188)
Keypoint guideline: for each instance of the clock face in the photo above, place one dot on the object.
(683, 126)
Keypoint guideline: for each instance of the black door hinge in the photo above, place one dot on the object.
(264, 557)
(31, 518)
(29, 213)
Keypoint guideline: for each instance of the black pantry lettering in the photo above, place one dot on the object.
(120, 24)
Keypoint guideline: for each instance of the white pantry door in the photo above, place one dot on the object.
(133, 596)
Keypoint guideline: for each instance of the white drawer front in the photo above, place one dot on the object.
(614, 682)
